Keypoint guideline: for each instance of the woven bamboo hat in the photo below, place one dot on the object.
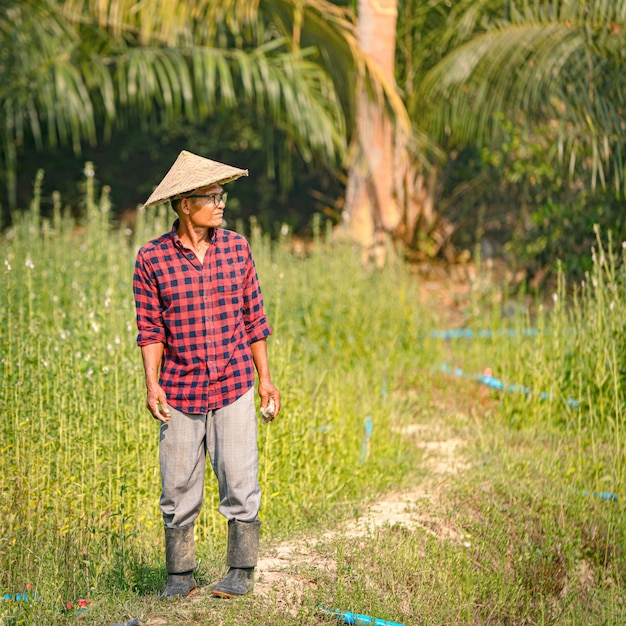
(190, 172)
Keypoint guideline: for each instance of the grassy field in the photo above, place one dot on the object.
(534, 517)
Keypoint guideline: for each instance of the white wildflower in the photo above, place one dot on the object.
(89, 373)
(555, 297)
(29, 263)
(8, 265)
(95, 326)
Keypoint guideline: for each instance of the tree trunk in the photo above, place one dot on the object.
(389, 200)
(371, 209)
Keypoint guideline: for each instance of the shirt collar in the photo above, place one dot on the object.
(179, 244)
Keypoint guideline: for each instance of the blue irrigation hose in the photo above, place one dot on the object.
(16, 597)
(483, 333)
(357, 619)
(366, 438)
(603, 495)
(496, 383)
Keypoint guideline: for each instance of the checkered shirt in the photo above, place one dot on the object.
(206, 315)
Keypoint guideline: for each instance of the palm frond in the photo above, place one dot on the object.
(546, 59)
(331, 31)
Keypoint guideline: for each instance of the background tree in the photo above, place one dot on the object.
(470, 72)
(371, 209)
(542, 82)
(75, 72)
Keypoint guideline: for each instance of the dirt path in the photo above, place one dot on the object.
(278, 571)
(281, 572)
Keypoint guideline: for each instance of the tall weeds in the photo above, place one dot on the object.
(79, 479)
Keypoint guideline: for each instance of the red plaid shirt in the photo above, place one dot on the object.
(206, 315)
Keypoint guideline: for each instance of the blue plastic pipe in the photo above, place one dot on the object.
(359, 620)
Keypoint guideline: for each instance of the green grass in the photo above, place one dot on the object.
(79, 479)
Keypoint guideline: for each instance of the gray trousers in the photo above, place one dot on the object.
(229, 436)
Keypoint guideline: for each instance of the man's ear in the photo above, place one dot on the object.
(184, 205)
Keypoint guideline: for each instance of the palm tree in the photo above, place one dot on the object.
(464, 66)
(73, 70)
(550, 63)
(371, 209)
(546, 59)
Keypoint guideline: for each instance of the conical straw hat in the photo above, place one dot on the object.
(190, 172)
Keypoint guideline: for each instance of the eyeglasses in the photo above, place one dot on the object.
(216, 198)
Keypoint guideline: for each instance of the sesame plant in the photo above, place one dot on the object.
(79, 465)
(359, 358)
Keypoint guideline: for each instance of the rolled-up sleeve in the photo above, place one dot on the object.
(257, 326)
(147, 304)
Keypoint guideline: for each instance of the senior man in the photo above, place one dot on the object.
(202, 332)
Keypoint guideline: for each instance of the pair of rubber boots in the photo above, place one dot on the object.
(241, 559)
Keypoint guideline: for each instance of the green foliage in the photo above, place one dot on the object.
(539, 215)
(544, 60)
(527, 537)
(75, 71)
(516, 108)
(135, 160)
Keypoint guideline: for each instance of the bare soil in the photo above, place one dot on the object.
(279, 571)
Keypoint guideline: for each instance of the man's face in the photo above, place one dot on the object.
(203, 211)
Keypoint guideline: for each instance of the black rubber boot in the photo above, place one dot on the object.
(242, 555)
(180, 561)
(179, 585)
(237, 582)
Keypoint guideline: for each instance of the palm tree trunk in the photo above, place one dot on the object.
(371, 210)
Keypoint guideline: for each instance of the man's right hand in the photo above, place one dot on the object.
(157, 403)
(152, 354)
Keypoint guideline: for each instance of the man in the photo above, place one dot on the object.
(202, 332)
